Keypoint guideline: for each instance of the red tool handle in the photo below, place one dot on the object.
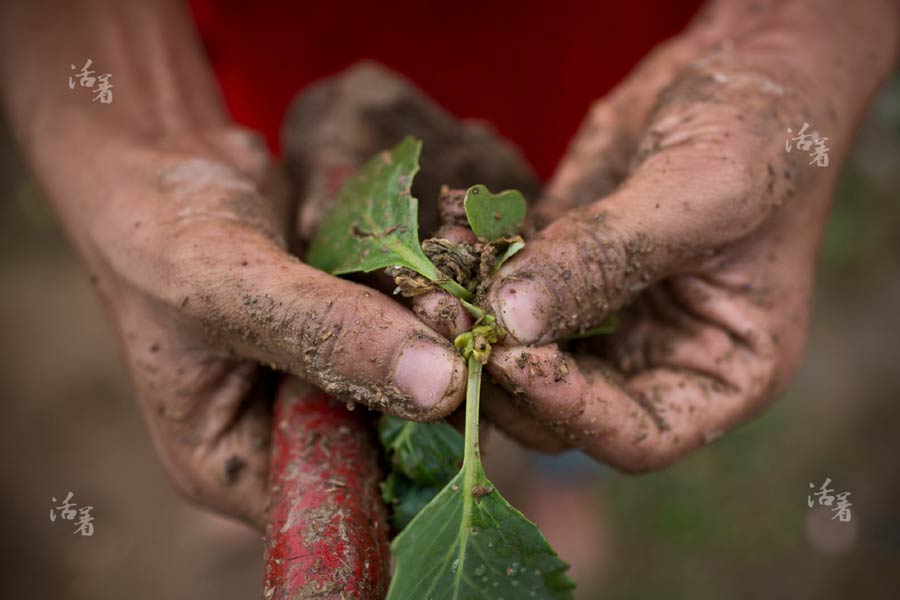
(327, 531)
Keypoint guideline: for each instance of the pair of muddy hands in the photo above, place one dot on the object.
(677, 208)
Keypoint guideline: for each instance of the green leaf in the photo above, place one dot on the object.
(423, 458)
(511, 250)
(374, 221)
(494, 216)
(426, 453)
(405, 498)
(468, 543)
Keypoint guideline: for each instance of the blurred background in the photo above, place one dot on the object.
(731, 521)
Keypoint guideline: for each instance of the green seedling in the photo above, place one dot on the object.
(459, 538)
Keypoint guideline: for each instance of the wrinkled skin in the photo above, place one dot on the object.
(709, 239)
(210, 294)
(204, 294)
(183, 223)
(679, 207)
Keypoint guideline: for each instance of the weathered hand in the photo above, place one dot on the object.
(706, 248)
(679, 208)
(188, 250)
(183, 223)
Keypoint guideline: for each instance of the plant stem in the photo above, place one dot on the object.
(473, 310)
(472, 455)
(455, 289)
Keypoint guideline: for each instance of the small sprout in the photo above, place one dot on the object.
(419, 454)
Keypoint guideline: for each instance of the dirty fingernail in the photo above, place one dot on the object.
(523, 309)
(425, 370)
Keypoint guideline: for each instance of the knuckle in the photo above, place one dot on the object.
(247, 148)
(730, 118)
(777, 364)
(758, 375)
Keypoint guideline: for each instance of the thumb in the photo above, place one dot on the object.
(345, 338)
(693, 192)
(593, 258)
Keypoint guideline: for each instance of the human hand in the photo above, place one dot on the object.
(186, 242)
(183, 223)
(705, 248)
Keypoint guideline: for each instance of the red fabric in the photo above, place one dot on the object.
(540, 63)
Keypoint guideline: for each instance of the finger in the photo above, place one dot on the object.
(633, 423)
(438, 309)
(443, 313)
(349, 340)
(696, 356)
(209, 418)
(710, 173)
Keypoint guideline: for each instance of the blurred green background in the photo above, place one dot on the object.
(731, 521)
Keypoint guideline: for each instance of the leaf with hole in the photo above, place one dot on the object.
(374, 222)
